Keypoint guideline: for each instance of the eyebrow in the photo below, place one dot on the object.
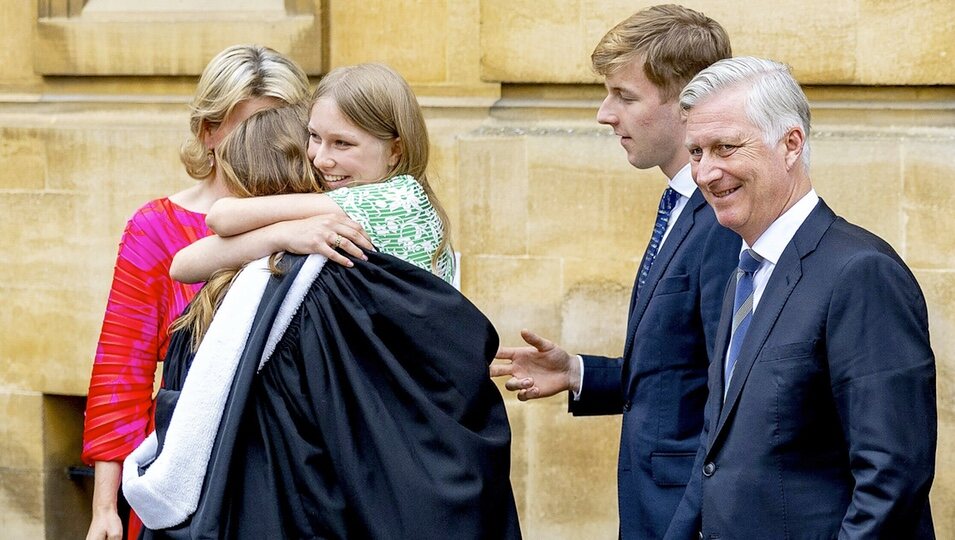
(333, 134)
(622, 88)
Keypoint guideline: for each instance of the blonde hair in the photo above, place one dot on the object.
(264, 155)
(377, 99)
(675, 43)
(236, 74)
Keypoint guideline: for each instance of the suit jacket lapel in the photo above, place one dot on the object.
(786, 275)
(719, 351)
(676, 237)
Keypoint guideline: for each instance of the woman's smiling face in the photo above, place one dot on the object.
(343, 153)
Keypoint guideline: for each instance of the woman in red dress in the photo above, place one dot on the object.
(143, 299)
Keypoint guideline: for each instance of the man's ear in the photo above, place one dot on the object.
(794, 141)
(395, 156)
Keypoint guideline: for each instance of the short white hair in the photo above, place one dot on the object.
(774, 101)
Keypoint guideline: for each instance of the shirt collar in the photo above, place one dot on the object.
(682, 182)
(771, 244)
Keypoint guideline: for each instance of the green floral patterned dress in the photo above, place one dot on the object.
(400, 220)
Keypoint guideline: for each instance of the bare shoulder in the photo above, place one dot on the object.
(199, 197)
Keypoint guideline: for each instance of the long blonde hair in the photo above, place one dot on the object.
(377, 99)
(265, 155)
(237, 73)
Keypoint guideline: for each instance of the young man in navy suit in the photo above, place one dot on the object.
(659, 383)
(821, 418)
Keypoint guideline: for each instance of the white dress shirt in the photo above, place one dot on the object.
(770, 246)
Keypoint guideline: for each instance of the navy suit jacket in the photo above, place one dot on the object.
(828, 428)
(659, 384)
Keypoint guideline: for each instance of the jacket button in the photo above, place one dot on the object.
(709, 469)
(627, 405)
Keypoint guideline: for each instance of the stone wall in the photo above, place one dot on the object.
(549, 217)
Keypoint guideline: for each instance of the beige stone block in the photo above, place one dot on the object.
(520, 441)
(791, 39)
(943, 488)
(867, 41)
(595, 305)
(444, 129)
(554, 44)
(432, 43)
(572, 466)
(16, 43)
(21, 432)
(393, 38)
(585, 200)
(22, 159)
(138, 160)
(939, 290)
(494, 194)
(57, 240)
(858, 175)
(21, 498)
(903, 42)
(557, 38)
(147, 43)
(464, 43)
(515, 293)
(929, 200)
(48, 338)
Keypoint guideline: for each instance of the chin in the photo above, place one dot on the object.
(639, 163)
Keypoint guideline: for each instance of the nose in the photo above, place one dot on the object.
(605, 115)
(706, 170)
(321, 159)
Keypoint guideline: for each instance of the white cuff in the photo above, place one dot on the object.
(576, 393)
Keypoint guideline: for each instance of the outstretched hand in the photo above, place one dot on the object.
(538, 371)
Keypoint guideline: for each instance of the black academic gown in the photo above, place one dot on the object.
(374, 418)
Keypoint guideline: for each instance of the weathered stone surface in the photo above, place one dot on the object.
(585, 198)
(16, 44)
(49, 338)
(905, 42)
(494, 195)
(21, 433)
(939, 289)
(859, 177)
(515, 293)
(401, 35)
(577, 454)
(23, 152)
(866, 41)
(21, 497)
(929, 202)
(137, 41)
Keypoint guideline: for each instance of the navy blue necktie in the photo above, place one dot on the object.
(749, 262)
(667, 202)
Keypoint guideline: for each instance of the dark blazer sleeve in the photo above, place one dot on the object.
(882, 372)
(602, 388)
